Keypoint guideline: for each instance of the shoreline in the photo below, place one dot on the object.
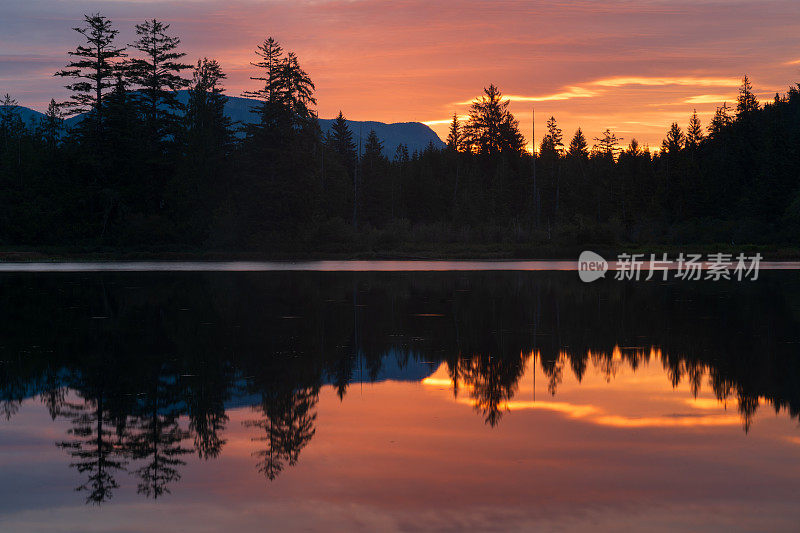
(432, 252)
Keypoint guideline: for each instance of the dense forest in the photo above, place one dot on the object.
(143, 171)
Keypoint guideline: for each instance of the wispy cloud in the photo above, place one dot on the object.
(444, 121)
(692, 81)
(567, 94)
(710, 99)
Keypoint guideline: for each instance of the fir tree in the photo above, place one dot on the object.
(11, 125)
(287, 95)
(51, 125)
(694, 133)
(270, 63)
(578, 147)
(722, 119)
(454, 137)
(341, 141)
(373, 147)
(208, 128)
(491, 128)
(674, 141)
(553, 142)
(634, 149)
(607, 144)
(157, 74)
(746, 102)
(94, 67)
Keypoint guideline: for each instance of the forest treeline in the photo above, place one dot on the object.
(143, 169)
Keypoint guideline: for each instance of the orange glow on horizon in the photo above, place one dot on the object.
(646, 392)
(625, 67)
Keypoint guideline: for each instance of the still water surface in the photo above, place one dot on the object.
(521, 400)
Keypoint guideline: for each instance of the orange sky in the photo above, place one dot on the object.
(633, 66)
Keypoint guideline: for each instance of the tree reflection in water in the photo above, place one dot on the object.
(144, 367)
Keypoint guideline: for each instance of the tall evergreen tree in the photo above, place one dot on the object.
(674, 141)
(553, 141)
(491, 128)
(746, 102)
(270, 64)
(374, 186)
(341, 141)
(12, 133)
(454, 137)
(283, 150)
(607, 144)
(722, 119)
(208, 143)
(208, 127)
(578, 147)
(694, 133)
(51, 125)
(11, 125)
(287, 94)
(373, 147)
(157, 75)
(94, 66)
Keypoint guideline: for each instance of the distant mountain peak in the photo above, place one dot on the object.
(415, 135)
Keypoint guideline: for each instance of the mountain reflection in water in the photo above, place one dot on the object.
(146, 370)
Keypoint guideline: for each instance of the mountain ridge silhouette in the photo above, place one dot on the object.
(415, 135)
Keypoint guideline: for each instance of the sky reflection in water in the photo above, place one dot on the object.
(397, 401)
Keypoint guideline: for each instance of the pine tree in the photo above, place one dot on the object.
(491, 128)
(283, 150)
(288, 92)
(553, 141)
(94, 67)
(298, 91)
(674, 141)
(721, 120)
(747, 102)
(373, 147)
(51, 125)
(694, 133)
(208, 143)
(208, 128)
(271, 54)
(157, 74)
(341, 141)
(606, 145)
(401, 154)
(578, 147)
(454, 137)
(634, 150)
(11, 125)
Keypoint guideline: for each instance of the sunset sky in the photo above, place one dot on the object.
(632, 66)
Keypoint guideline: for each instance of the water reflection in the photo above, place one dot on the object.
(146, 367)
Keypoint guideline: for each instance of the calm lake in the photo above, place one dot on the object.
(507, 398)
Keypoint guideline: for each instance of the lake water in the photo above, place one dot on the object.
(209, 399)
